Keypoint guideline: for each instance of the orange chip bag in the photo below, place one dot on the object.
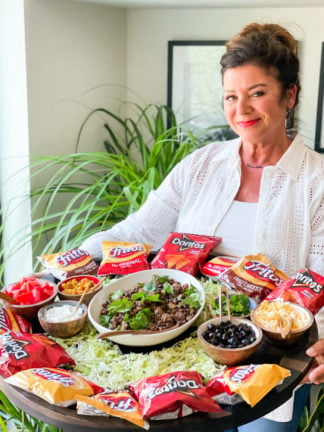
(56, 386)
(252, 382)
(9, 321)
(184, 251)
(254, 275)
(121, 258)
(73, 262)
(117, 404)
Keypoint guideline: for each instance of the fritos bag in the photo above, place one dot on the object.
(252, 382)
(121, 258)
(184, 251)
(220, 392)
(253, 275)
(57, 386)
(73, 262)
(172, 395)
(9, 321)
(304, 287)
(217, 265)
(21, 351)
(117, 404)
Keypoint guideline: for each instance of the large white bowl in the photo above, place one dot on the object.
(130, 281)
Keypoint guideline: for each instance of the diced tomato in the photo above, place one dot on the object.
(29, 290)
(25, 298)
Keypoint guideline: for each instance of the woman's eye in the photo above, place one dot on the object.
(258, 93)
(229, 98)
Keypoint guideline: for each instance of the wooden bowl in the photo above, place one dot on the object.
(30, 311)
(275, 335)
(53, 321)
(229, 356)
(76, 297)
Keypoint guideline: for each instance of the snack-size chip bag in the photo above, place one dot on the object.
(253, 275)
(122, 258)
(55, 385)
(9, 321)
(120, 404)
(305, 287)
(217, 388)
(252, 382)
(172, 395)
(20, 351)
(184, 251)
(217, 265)
(69, 263)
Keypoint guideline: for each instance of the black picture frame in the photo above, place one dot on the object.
(319, 133)
(194, 87)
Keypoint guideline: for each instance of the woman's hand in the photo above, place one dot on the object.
(316, 374)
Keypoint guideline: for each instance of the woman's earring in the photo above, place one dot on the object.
(289, 122)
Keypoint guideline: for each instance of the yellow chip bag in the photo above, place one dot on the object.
(121, 258)
(117, 404)
(69, 263)
(56, 386)
(252, 382)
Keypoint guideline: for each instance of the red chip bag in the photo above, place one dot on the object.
(69, 263)
(304, 287)
(184, 251)
(9, 321)
(56, 386)
(120, 404)
(167, 396)
(122, 258)
(20, 351)
(220, 392)
(217, 265)
(254, 275)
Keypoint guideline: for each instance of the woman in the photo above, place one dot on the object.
(262, 192)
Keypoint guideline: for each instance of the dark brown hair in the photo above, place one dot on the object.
(269, 46)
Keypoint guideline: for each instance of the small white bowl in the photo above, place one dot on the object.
(130, 281)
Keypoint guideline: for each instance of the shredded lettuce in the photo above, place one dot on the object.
(103, 362)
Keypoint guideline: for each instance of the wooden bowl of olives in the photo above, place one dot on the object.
(229, 342)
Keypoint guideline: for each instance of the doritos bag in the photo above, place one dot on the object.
(305, 287)
(20, 351)
(173, 395)
(56, 386)
(9, 321)
(184, 251)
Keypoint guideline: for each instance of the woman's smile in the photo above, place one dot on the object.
(248, 123)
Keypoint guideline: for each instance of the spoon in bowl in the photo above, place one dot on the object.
(85, 292)
(7, 298)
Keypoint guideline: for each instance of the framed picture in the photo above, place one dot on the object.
(194, 83)
(319, 132)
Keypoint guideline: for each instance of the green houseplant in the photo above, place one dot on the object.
(87, 192)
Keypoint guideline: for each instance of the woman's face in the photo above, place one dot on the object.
(255, 104)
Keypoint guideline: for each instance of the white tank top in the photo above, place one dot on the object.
(237, 230)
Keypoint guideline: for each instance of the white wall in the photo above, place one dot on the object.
(14, 142)
(150, 29)
(76, 60)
